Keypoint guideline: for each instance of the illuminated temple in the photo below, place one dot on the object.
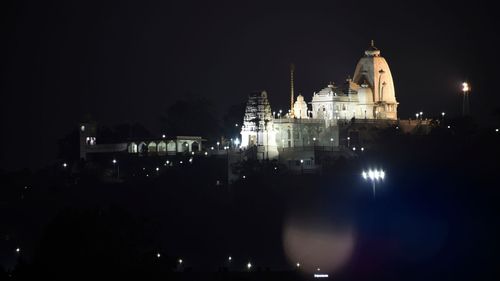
(332, 120)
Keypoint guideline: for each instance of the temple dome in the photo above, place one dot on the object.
(300, 107)
(374, 70)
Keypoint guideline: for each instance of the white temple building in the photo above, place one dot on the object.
(369, 97)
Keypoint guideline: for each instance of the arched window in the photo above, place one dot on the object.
(152, 147)
(171, 146)
(142, 148)
(185, 147)
(195, 147)
(162, 147)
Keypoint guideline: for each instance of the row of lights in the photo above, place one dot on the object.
(230, 259)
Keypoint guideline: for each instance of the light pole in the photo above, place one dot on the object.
(301, 166)
(115, 164)
(348, 142)
(331, 140)
(465, 102)
(374, 176)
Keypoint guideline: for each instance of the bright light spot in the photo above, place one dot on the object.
(276, 168)
(187, 144)
(373, 175)
(158, 255)
(297, 264)
(449, 126)
(496, 130)
(192, 152)
(362, 149)
(65, 165)
(301, 161)
(18, 250)
(249, 265)
(114, 161)
(331, 139)
(163, 136)
(212, 148)
(157, 169)
(465, 87)
(180, 261)
(206, 153)
(318, 269)
(244, 177)
(190, 160)
(180, 162)
(320, 275)
(236, 125)
(348, 138)
(218, 143)
(314, 139)
(354, 148)
(443, 114)
(82, 128)
(421, 113)
(237, 141)
(168, 162)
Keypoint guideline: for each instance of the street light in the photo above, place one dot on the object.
(465, 102)
(249, 265)
(374, 176)
(331, 140)
(115, 162)
(65, 165)
(348, 141)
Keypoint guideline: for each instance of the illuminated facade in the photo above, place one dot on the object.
(369, 97)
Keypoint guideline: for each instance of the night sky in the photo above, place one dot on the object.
(128, 61)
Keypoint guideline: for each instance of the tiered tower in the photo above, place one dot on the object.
(258, 131)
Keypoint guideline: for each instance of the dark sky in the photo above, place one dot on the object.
(127, 61)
